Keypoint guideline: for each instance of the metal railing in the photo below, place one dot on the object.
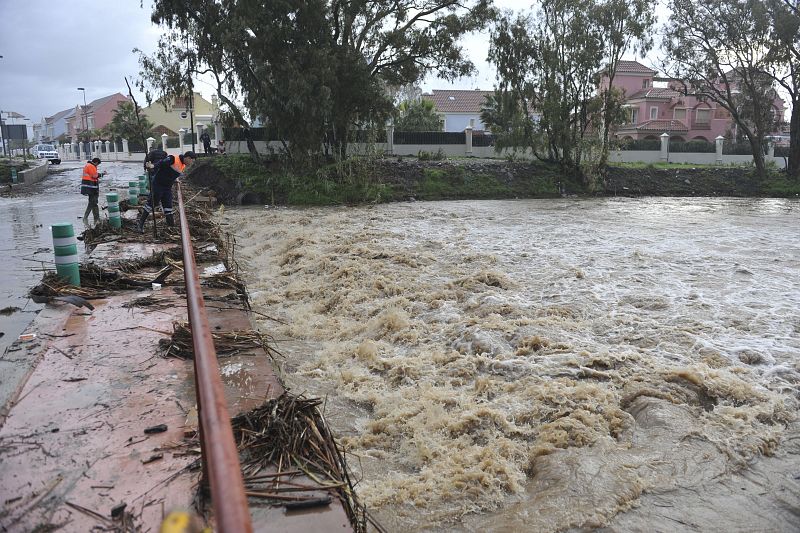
(219, 454)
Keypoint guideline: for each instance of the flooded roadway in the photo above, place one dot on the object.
(25, 240)
(547, 365)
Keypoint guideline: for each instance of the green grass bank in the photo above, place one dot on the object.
(237, 179)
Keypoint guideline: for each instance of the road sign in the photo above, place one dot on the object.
(184, 115)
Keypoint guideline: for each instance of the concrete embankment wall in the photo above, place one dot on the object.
(32, 175)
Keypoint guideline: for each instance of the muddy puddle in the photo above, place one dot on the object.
(546, 365)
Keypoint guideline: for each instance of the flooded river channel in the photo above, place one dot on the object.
(546, 365)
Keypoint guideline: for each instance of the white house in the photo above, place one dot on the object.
(459, 108)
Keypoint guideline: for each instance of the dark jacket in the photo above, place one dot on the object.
(163, 173)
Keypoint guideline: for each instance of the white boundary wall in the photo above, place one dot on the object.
(488, 152)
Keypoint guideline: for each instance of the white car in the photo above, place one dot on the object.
(46, 151)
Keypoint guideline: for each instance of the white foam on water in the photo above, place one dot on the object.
(479, 356)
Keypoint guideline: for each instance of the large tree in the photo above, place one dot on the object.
(549, 61)
(784, 67)
(314, 69)
(625, 28)
(719, 50)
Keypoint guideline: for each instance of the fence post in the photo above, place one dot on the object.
(390, 139)
(150, 142)
(719, 140)
(108, 149)
(164, 141)
(468, 139)
(770, 147)
(181, 133)
(125, 146)
(664, 146)
(79, 146)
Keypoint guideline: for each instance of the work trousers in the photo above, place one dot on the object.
(160, 195)
(92, 207)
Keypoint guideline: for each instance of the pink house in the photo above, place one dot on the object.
(95, 115)
(656, 110)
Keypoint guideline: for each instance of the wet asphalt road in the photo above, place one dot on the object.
(26, 214)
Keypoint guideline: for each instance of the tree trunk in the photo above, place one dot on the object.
(793, 167)
(251, 146)
(758, 156)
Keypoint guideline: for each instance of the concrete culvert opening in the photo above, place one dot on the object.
(251, 198)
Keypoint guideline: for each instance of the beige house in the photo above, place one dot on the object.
(171, 120)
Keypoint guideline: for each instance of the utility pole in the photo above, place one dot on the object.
(2, 133)
(191, 116)
(83, 120)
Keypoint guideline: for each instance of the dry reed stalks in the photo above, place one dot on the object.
(227, 344)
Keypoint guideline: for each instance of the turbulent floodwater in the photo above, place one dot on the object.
(546, 365)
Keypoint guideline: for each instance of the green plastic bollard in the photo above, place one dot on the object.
(112, 199)
(65, 246)
(133, 192)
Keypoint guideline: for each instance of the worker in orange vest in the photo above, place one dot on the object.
(179, 165)
(165, 172)
(90, 186)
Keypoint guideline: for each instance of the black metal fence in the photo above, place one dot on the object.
(781, 151)
(695, 147)
(429, 137)
(729, 148)
(641, 144)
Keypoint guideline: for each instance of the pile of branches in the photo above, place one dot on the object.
(53, 285)
(98, 283)
(290, 434)
(227, 344)
(229, 280)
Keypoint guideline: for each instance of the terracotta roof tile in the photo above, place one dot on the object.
(658, 125)
(656, 92)
(458, 101)
(634, 67)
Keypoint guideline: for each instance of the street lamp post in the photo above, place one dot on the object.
(84, 122)
(5, 151)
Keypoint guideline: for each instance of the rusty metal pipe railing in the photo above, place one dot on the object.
(219, 454)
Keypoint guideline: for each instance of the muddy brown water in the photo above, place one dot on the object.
(546, 365)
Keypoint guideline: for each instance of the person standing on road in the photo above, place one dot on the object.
(205, 138)
(164, 174)
(90, 186)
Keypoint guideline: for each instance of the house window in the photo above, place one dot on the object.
(634, 115)
(679, 113)
(702, 116)
(653, 113)
(645, 83)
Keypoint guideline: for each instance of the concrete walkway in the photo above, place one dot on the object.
(76, 403)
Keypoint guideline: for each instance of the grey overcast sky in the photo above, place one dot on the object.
(50, 48)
